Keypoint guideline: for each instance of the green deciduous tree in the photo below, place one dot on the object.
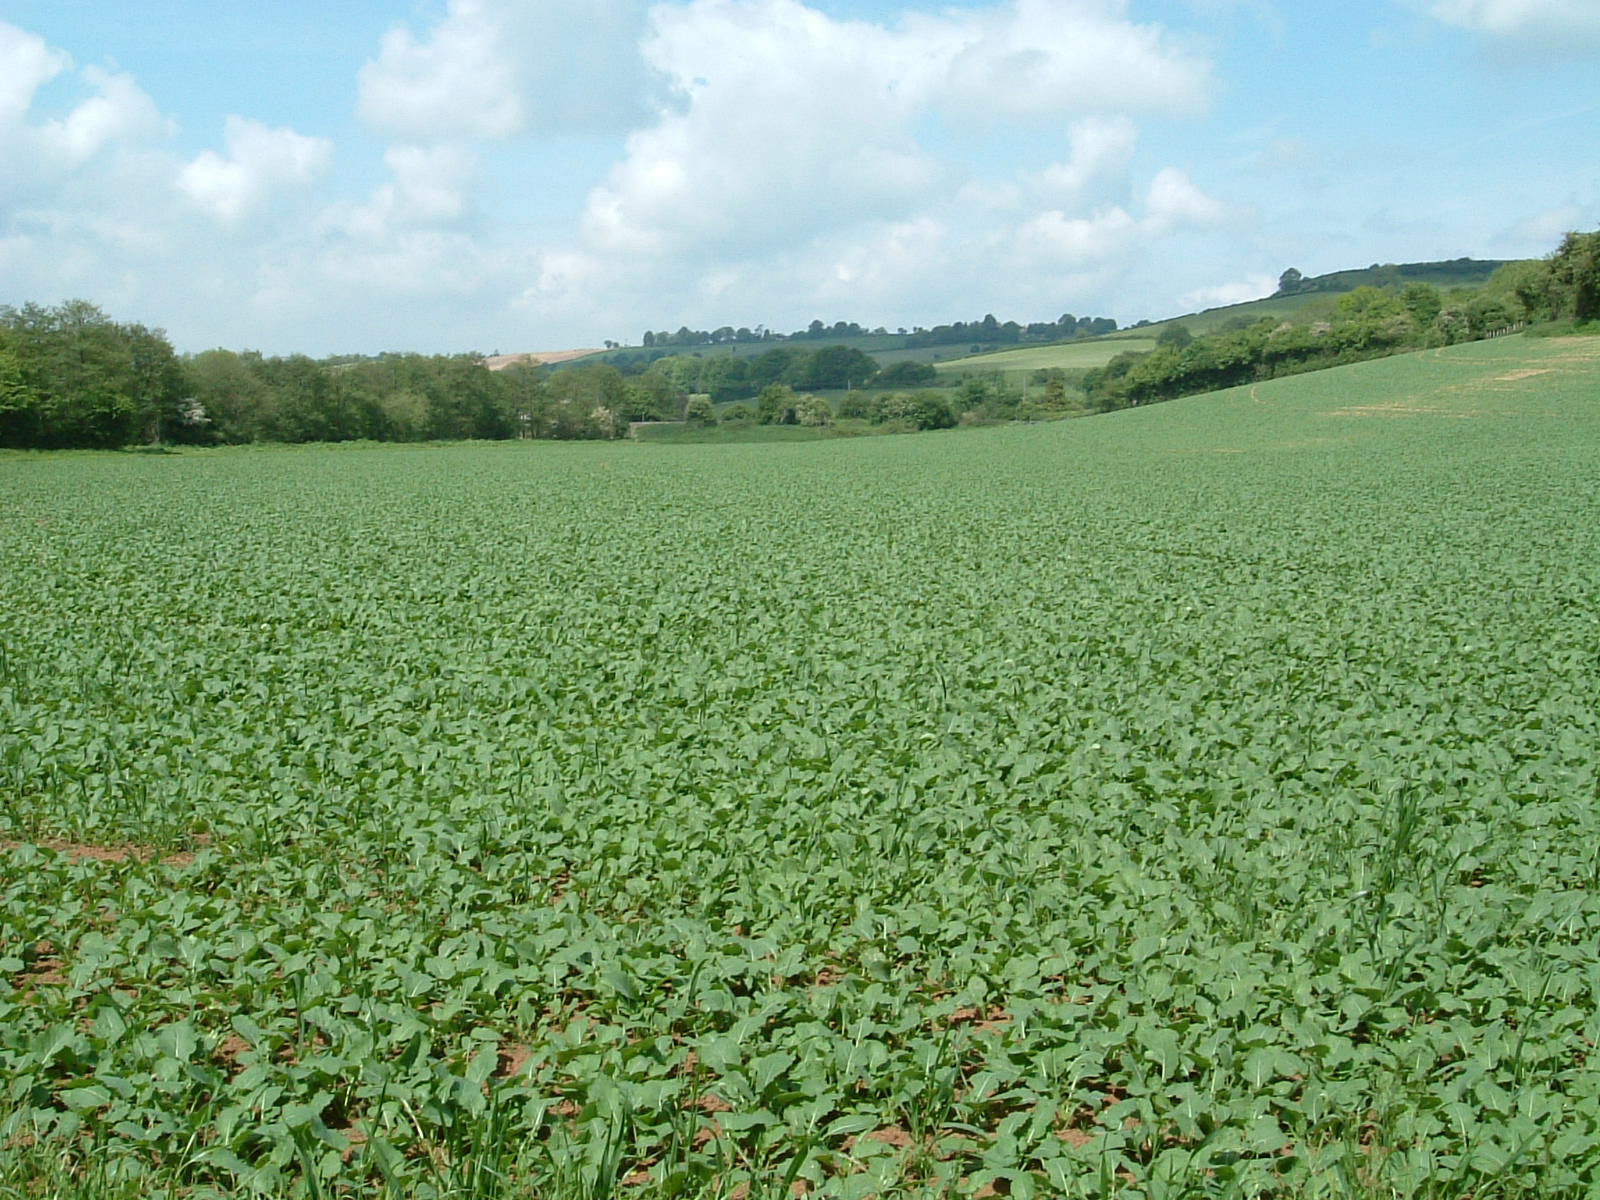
(839, 367)
(1175, 336)
(1575, 272)
(1422, 301)
(776, 405)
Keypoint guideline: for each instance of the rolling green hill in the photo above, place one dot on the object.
(1323, 290)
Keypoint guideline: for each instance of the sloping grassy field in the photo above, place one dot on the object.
(1446, 276)
(1024, 360)
(1194, 801)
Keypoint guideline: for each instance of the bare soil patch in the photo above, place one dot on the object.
(499, 362)
(44, 969)
(92, 852)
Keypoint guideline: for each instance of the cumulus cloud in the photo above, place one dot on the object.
(119, 110)
(496, 68)
(1174, 202)
(1252, 287)
(260, 163)
(27, 63)
(1545, 21)
(1101, 146)
(1036, 57)
(39, 152)
(790, 122)
(428, 186)
(1056, 239)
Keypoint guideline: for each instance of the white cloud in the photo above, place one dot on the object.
(1059, 238)
(495, 68)
(876, 270)
(428, 187)
(1035, 57)
(1174, 202)
(456, 81)
(119, 111)
(37, 155)
(1055, 239)
(259, 163)
(1100, 146)
(791, 122)
(1253, 287)
(27, 63)
(1545, 21)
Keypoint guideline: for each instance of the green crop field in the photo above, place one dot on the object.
(1197, 801)
(1024, 360)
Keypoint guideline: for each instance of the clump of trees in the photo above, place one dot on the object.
(407, 398)
(71, 376)
(1368, 322)
(991, 332)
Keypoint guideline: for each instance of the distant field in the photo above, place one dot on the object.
(1024, 360)
(1196, 802)
(1280, 307)
(499, 362)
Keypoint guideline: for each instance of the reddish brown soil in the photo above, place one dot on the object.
(91, 852)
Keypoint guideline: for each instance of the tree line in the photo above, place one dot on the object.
(989, 331)
(986, 331)
(1368, 322)
(71, 376)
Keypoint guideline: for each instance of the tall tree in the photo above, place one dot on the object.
(1575, 269)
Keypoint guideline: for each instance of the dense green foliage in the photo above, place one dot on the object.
(71, 376)
(726, 376)
(1193, 802)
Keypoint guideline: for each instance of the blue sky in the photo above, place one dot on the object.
(515, 175)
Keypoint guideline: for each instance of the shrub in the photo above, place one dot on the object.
(814, 411)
